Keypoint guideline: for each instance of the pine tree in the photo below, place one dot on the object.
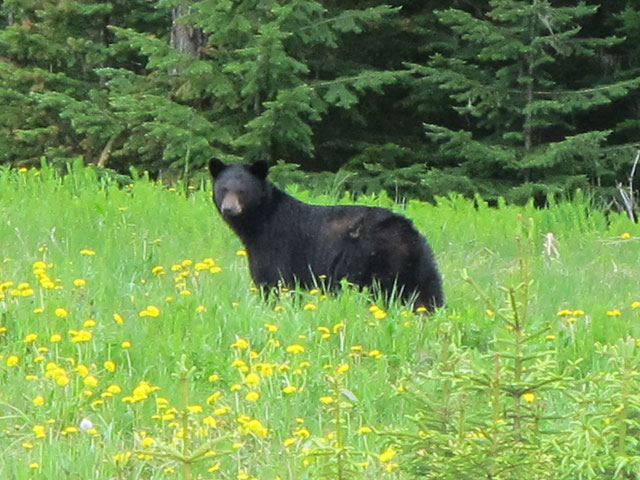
(55, 106)
(504, 74)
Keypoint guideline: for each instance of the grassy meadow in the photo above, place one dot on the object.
(134, 346)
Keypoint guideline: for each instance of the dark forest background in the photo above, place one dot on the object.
(519, 99)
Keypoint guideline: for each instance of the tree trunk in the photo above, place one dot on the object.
(184, 37)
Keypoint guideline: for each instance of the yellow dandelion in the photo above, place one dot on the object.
(114, 389)
(302, 432)
(327, 399)
(80, 336)
(126, 344)
(252, 396)
(87, 252)
(30, 338)
(89, 323)
(110, 366)
(270, 327)
(158, 270)
(256, 427)
(150, 311)
(550, 337)
(39, 431)
(614, 313)
(379, 314)
(214, 377)
(363, 430)
(295, 348)
(252, 379)
(12, 360)
(55, 338)
(118, 318)
(375, 353)
(528, 397)
(240, 344)
(80, 282)
(62, 381)
(90, 381)
(625, 236)
(61, 312)
(387, 455)
(342, 368)
(310, 306)
(209, 421)
(34, 465)
(289, 389)
(194, 408)
(38, 401)
(214, 468)
(241, 253)
(635, 304)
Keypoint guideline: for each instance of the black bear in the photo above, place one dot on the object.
(290, 241)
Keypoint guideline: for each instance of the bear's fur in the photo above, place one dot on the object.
(290, 241)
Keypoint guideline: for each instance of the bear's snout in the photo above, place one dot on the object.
(230, 206)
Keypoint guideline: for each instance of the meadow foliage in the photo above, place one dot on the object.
(133, 345)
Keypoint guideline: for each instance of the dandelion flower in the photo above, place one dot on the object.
(39, 431)
(252, 396)
(241, 253)
(364, 430)
(342, 368)
(327, 400)
(110, 366)
(38, 401)
(252, 379)
(80, 336)
(289, 389)
(87, 252)
(310, 306)
(61, 312)
(150, 311)
(90, 381)
(12, 360)
(387, 455)
(635, 305)
(80, 282)
(126, 344)
(118, 318)
(240, 344)
(528, 397)
(295, 348)
(30, 338)
(614, 313)
(625, 236)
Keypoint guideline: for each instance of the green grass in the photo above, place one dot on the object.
(203, 313)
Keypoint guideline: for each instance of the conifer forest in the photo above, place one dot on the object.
(501, 98)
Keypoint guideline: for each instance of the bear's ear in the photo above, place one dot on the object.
(216, 166)
(259, 169)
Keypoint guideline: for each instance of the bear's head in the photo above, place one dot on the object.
(238, 189)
